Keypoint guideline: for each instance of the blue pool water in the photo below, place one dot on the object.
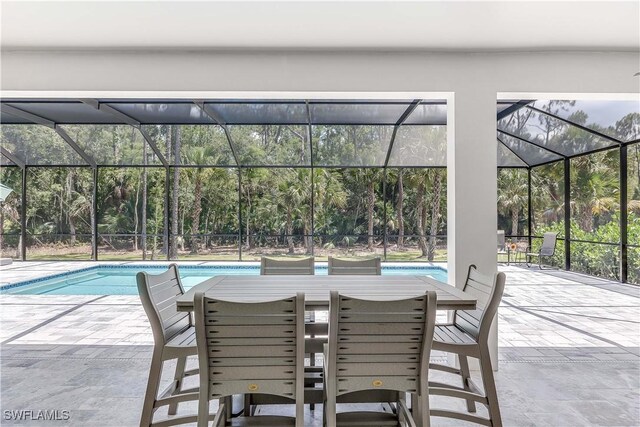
(121, 280)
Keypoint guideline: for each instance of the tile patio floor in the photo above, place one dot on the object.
(569, 353)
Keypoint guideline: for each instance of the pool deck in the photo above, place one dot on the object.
(569, 351)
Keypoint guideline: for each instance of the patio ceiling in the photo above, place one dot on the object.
(298, 133)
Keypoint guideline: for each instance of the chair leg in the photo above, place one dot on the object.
(153, 383)
(420, 409)
(312, 362)
(203, 412)
(466, 376)
(490, 388)
(178, 377)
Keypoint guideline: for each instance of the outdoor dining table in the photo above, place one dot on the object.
(318, 288)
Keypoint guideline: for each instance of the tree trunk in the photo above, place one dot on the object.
(399, 214)
(175, 136)
(514, 221)
(371, 199)
(135, 219)
(195, 213)
(421, 217)
(247, 221)
(93, 219)
(435, 215)
(19, 251)
(290, 230)
(182, 218)
(308, 238)
(72, 225)
(587, 219)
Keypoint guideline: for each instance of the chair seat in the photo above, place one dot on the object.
(366, 419)
(262, 421)
(183, 344)
(451, 334)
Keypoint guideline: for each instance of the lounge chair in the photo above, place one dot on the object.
(548, 249)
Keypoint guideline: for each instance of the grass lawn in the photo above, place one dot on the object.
(83, 253)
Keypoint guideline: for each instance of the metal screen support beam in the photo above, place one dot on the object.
(384, 205)
(166, 235)
(533, 143)
(529, 207)
(153, 146)
(567, 214)
(313, 185)
(52, 125)
(64, 135)
(126, 119)
(579, 126)
(513, 108)
(240, 214)
(399, 123)
(15, 159)
(514, 153)
(624, 214)
(27, 116)
(94, 220)
(220, 122)
(23, 216)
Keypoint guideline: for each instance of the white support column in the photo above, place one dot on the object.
(472, 188)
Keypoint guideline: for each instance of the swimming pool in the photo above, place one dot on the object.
(121, 280)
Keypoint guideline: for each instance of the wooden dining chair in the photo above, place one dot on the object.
(250, 348)
(379, 346)
(286, 267)
(371, 266)
(301, 266)
(467, 336)
(174, 338)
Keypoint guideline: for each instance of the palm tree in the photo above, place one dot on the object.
(595, 188)
(368, 178)
(436, 176)
(329, 195)
(512, 194)
(418, 180)
(294, 197)
(198, 156)
(175, 136)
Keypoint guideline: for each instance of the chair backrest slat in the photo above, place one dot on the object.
(548, 247)
(370, 266)
(158, 294)
(488, 292)
(271, 266)
(250, 347)
(367, 351)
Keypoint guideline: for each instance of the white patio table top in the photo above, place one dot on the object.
(317, 289)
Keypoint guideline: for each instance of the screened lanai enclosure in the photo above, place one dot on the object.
(114, 179)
